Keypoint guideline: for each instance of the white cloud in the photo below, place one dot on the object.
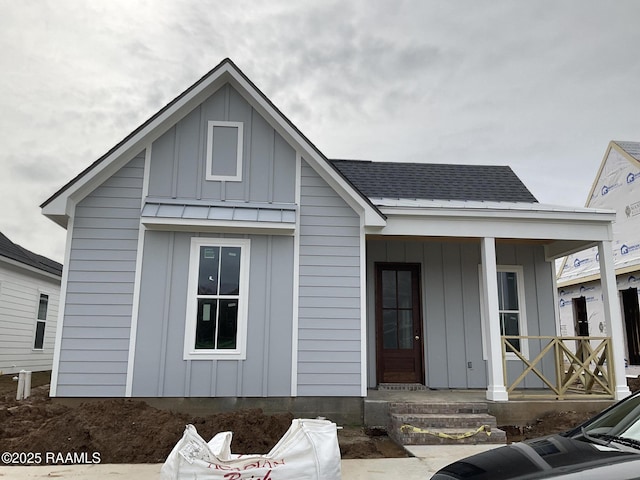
(542, 85)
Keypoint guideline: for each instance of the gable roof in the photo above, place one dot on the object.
(13, 251)
(57, 207)
(429, 181)
(631, 148)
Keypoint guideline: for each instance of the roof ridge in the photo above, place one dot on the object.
(445, 164)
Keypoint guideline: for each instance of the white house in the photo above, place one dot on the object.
(29, 296)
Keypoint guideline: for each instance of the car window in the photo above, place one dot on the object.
(622, 419)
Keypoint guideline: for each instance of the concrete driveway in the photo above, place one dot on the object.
(426, 461)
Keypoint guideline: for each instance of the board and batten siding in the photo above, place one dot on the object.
(178, 156)
(329, 323)
(159, 367)
(100, 287)
(450, 297)
(19, 300)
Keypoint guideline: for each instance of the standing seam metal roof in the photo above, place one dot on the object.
(491, 183)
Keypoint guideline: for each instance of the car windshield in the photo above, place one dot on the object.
(622, 421)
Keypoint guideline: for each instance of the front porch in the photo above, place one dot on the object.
(439, 414)
(446, 281)
(574, 373)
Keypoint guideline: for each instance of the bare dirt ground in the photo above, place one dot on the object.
(555, 422)
(130, 431)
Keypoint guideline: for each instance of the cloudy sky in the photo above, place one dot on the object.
(542, 86)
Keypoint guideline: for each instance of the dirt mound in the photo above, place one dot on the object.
(553, 422)
(125, 431)
(131, 431)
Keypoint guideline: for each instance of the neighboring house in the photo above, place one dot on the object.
(29, 296)
(581, 305)
(216, 252)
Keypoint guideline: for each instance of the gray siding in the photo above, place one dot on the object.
(97, 316)
(451, 305)
(159, 367)
(178, 156)
(329, 345)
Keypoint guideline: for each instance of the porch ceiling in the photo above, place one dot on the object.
(553, 248)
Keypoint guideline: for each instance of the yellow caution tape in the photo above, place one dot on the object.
(410, 428)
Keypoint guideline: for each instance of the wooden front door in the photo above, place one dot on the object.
(398, 323)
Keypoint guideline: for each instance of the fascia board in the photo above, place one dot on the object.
(28, 269)
(597, 177)
(597, 216)
(575, 280)
(525, 227)
(596, 276)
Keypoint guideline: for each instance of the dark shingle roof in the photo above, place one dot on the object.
(431, 181)
(632, 148)
(15, 252)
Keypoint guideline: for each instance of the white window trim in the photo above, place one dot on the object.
(519, 271)
(35, 323)
(229, 178)
(240, 352)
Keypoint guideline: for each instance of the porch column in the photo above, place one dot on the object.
(613, 317)
(495, 387)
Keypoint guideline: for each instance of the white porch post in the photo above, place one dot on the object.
(495, 388)
(613, 316)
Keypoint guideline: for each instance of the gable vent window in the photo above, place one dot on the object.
(224, 151)
(41, 322)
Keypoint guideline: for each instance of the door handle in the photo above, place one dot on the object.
(417, 337)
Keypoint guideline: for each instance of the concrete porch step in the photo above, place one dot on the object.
(430, 420)
(443, 436)
(450, 423)
(402, 387)
(439, 408)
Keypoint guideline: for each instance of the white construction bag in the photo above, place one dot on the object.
(308, 450)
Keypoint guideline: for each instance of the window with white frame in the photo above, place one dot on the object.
(224, 151)
(511, 308)
(41, 322)
(217, 301)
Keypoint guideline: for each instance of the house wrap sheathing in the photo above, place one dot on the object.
(616, 187)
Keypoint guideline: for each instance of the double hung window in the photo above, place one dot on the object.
(511, 309)
(509, 305)
(217, 299)
(41, 322)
